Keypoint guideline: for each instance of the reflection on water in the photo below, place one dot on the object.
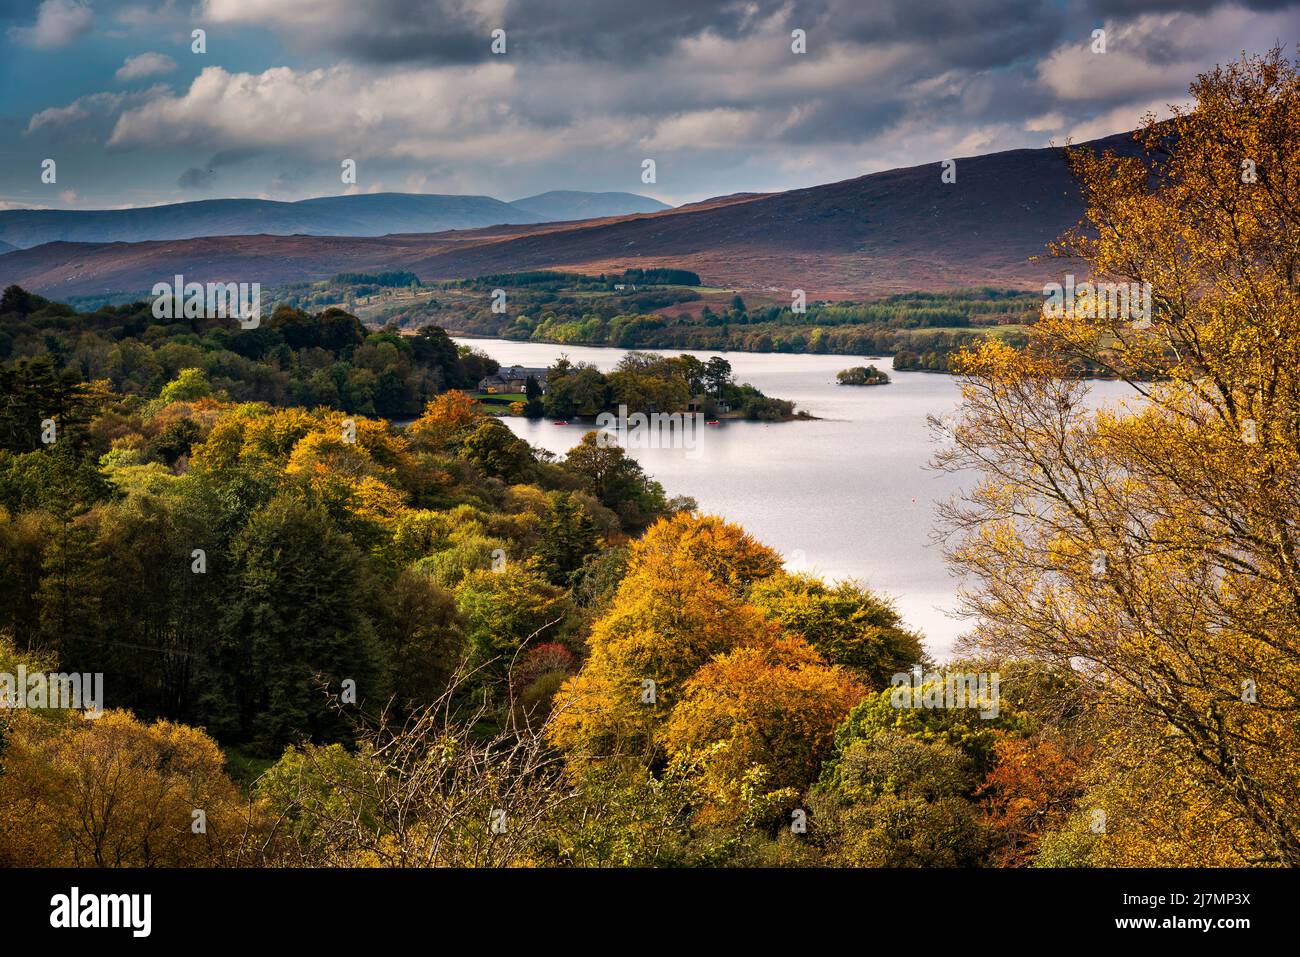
(848, 496)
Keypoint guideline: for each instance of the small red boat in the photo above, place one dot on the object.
(711, 422)
(559, 422)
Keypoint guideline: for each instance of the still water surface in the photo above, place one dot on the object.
(848, 496)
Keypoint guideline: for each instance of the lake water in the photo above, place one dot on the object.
(848, 496)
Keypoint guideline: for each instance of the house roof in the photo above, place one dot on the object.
(511, 373)
(518, 372)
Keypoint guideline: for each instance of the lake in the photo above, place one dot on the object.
(848, 496)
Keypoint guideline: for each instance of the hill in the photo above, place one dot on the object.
(367, 214)
(371, 214)
(882, 233)
(561, 205)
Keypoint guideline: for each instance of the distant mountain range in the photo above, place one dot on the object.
(366, 214)
(5, 247)
(888, 232)
(560, 205)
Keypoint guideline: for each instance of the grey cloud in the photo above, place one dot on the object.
(232, 157)
(1129, 8)
(195, 178)
(623, 32)
(974, 34)
(204, 177)
(627, 31)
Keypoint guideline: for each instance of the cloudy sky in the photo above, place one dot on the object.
(585, 91)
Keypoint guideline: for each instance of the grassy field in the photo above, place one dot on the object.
(498, 402)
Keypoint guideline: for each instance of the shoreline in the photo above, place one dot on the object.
(725, 417)
(723, 352)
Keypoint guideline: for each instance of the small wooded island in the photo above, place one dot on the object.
(862, 375)
(641, 381)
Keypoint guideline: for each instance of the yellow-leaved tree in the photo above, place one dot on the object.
(1154, 543)
(116, 792)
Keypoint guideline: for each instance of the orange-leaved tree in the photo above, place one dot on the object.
(683, 672)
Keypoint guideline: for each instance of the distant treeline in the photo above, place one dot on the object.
(385, 279)
(293, 358)
(926, 349)
(922, 310)
(922, 329)
(556, 279)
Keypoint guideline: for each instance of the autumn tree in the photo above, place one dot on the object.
(1153, 544)
(758, 721)
(680, 604)
(443, 420)
(116, 792)
(1127, 810)
(1034, 786)
(687, 680)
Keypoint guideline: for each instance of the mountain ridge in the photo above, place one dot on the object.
(892, 231)
(360, 214)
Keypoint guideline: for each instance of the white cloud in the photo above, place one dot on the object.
(1076, 73)
(58, 23)
(1126, 117)
(705, 129)
(417, 113)
(92, 110)
(288, 13)
(56, 116)
(1046, 123)
(145, 64)
(1158, 54)
(339, 15)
